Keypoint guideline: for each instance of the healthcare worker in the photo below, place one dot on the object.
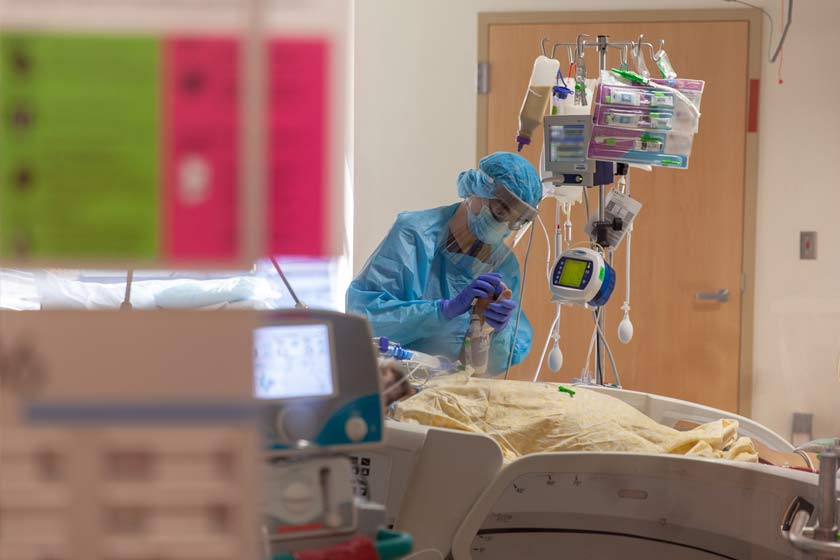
(419, 286)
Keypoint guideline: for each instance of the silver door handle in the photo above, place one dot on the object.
(721, 296)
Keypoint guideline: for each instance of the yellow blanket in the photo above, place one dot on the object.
(528, 418)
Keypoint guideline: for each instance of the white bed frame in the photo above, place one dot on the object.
(450, 490)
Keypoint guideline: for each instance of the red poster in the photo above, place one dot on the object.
(298, 144)
(201, 145)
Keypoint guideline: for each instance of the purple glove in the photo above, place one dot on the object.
(487, 285)
(498, 313)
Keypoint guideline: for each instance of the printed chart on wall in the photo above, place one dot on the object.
(122, 136)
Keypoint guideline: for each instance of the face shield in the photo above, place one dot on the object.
(500, 216)
(507, 208)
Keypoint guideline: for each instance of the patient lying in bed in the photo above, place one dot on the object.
(526, 418)
(536, 417)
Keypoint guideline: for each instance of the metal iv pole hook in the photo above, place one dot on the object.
(659, 51)
(580, 44)
(637, 48)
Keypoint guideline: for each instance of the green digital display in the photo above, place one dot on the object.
(572, 275)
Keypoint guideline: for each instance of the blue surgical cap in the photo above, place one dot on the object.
(512, 170)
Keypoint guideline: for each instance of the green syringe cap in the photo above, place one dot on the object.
(632, 76)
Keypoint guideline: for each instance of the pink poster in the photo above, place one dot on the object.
(298, 144)
(201, 149)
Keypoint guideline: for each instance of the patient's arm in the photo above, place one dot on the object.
(769, 456)
(787, 458)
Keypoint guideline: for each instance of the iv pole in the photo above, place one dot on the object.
(602, 44)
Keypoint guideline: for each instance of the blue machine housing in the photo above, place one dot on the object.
(607, 287)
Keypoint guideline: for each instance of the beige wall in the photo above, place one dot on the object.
(797, 334)
(415, 123)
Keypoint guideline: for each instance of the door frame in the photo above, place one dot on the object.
(754, 63)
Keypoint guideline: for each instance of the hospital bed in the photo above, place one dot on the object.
(451, 491)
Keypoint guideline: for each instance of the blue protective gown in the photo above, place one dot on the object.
(400, 288)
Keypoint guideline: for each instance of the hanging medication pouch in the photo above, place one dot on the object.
(633, 118)
(629, 96)
(660, 149)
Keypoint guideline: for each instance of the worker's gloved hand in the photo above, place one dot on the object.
(498, 313)
(487, 285)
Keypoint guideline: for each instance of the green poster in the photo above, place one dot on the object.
(79, 155)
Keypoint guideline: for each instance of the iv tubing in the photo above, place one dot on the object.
(558, 248)
(521, 295)
(548, 245)
(589, 353)
(609, 350)
(679, 95)
(626, 306)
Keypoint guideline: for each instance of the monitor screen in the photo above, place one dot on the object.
(572, 275)
(292, 361)
(567, 143)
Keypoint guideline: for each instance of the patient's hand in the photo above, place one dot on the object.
(395, 386)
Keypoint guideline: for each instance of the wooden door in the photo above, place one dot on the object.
(688, 237)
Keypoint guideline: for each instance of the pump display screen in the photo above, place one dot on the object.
(567, 143)
(292, 361)
(573, 272)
